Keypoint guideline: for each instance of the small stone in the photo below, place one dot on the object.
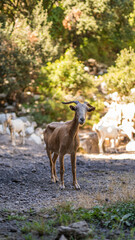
(12, 229)
(62, 237)
(1, 220)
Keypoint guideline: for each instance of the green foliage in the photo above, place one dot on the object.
(104, 24)
(56, 17)
(65, 79)
(102, 219)
(17, 217)
(15, 68)
(113, 216)
(24, 46)
(35, 33)
(33, 36)
(121, 214)
(121, 77)
(65, 75)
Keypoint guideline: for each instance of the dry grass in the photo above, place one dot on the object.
(116, 189)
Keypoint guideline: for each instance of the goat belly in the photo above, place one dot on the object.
(69, 148)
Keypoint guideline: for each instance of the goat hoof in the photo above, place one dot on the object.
(53, 180)
(77, 186)
(57, 180)
(62, 187)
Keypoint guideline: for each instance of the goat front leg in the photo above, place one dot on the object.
(12, 137)
(62, 170)
(23, 137)
(73, 162)
(101, 147)
(4, 125)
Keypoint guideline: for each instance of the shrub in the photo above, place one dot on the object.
(15, 68)
(121, 77)
(63, 80)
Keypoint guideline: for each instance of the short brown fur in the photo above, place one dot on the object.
(62, 138)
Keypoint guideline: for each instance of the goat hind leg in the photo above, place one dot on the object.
(51, 165)
(23, 137)
(54, 166)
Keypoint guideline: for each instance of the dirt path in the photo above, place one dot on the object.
(25, 178)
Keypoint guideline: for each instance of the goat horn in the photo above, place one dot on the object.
(76, 102)
(87, 104)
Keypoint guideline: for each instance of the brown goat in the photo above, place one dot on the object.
(62, 138)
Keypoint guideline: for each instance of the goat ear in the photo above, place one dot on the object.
(73, 108)
(90, 109)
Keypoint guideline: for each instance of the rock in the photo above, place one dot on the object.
(35, 138)
(62, 237)
(34, 124)
(86, 69)
(39, 132)
(89, 142)
(24, 119)
(1, 128)
(130, 147)
(7, 131)
(29, 130)
(36, 97)
(78, 230)
(3, 95)
(13, 229)
(10, 108)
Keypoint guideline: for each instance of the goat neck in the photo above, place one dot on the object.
(74, 126)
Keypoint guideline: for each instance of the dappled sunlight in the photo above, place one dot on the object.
(107, 156)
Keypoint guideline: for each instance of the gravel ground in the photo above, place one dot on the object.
(25, 181)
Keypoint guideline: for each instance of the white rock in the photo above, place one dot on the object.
(1, 128)
(34, 124)
(29, 130)
(39, 132)
(7, 131)
(24, 119)
(2, 117)
(27, 124)
(86, 69)
(130, 147)
(35, 138)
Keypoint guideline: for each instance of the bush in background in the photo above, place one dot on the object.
(63, 80)
(121, 77)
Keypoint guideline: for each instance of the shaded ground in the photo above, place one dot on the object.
(25, 179)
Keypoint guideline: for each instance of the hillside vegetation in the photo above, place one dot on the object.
(45, 45)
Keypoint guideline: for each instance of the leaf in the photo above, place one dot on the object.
(125, 217)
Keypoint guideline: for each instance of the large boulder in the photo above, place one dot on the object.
(78, 230)
(130, 147)
(36, 139)
(89, 142)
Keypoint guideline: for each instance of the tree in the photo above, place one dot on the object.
(64, 79)
(16, 69)
(98, 28)
(24, 47)
(121, 77)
